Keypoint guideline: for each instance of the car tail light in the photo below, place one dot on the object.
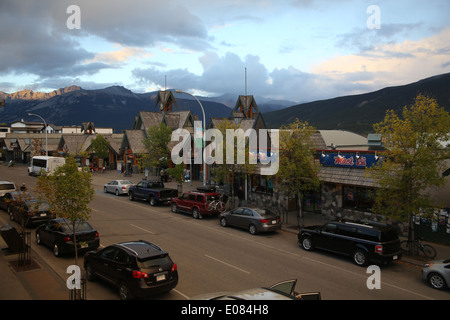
(67, 238)
(264, 220)
(96, 235)
(139, 274)
(174, 268)
(123, 188)
(379, 248)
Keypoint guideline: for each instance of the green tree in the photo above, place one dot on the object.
(157, 146)
(69, 192)
(100, 146)
(227, 171)
(298, 171)
(413, 162)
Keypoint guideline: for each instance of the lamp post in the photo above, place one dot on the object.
(45, 128)
(203, 136)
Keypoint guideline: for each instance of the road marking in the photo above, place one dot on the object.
(141, 228)
(230, 265)
(182, 294)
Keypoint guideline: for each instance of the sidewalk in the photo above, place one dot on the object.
(40, 282)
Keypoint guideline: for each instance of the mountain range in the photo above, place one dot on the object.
(358, 113)
(117, 106)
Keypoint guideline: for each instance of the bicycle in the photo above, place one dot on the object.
(415, 246)
(216, 205)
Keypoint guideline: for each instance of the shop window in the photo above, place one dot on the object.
(358, 198)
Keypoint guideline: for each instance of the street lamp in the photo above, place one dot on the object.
(45, 128)
(203, 136)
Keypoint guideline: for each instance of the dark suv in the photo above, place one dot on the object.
(137, 268)
(196, 203)
(363, 241)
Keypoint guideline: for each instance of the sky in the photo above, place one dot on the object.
(297, 50)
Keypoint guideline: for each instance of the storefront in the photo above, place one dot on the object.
(347, 191)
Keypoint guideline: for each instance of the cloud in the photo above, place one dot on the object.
(220, 75)
(392, 63)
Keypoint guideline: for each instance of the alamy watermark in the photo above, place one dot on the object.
(74, 20)
(258, 149)
(374, 20)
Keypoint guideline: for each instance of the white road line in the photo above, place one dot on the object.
(227, 264)
(141, 228)
(182, 294)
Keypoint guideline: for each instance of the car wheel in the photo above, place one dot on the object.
(90, 274)
(360, 258)
(307, 243)
(437, 281)
(252, 229)
(124, 292)
(56, 250)
(152, 201)
(130, 195)
(117, 192)
(196, 214)
(223, 222)
(174, 208)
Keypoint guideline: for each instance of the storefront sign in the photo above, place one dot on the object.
(348, 160)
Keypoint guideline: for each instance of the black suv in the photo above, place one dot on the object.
(137, 268)
(363, 241)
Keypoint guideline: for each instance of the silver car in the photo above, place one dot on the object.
(437, 273)
(118, 187)
(255, 220)
(280, 291)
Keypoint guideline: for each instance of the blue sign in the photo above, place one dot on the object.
(347, 160)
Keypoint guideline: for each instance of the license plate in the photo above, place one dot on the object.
(83, 245)
(160, 277)
(274, 221)
(43, 214)
(395, 257)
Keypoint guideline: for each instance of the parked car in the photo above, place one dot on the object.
(152, 191)
(137, 268)
(363, 241)
(281, 291)
(118, 187)
(26, 210)
(437, 273)
(58, 235)
(11, 197)
(6, 186)
(196, 203)
(255, 220)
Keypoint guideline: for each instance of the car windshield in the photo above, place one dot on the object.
(154, 262)
(264, 212)
(7, 186)
(79, 227)
(124, 182)
(38, 205)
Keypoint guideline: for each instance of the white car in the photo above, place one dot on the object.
(437, 273)
(5, 187)
(118, 187)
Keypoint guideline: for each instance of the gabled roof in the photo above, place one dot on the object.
(247, 105)
(165, 100)
(134, 139)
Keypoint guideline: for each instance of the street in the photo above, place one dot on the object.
(211, 258)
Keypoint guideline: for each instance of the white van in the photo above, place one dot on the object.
(46, 163)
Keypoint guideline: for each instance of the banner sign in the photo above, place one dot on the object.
(348, 160)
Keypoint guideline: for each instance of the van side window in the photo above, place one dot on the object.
(329, 227)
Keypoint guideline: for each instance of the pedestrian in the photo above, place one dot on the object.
(23, 188)
(240, 195)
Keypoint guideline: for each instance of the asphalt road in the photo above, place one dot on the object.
(211, 258)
